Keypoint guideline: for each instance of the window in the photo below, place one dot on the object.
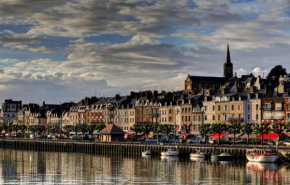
(249, 107)
(205, 118)
(213, 117)
(219, 108)
(182, 110)
(233, 116)
(170, 119)
(198, 118)
(239, 107)
(257, 116)
(219, 117)
(188, 118)
(226, 107)
(226, 117)
(213, 107)
(249, 116)
(193, 118)
(182, 118)
(233, 107)
(257, 107)
(205, 108)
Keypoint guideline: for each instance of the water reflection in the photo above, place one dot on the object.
(21, 167)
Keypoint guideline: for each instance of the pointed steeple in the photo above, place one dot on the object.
(228, 66)
(228, 55)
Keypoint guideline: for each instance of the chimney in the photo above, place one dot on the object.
(132, 94)
(223, 91)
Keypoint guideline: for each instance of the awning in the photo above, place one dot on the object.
(269, 136)
(216, 135)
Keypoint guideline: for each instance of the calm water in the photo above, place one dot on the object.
(30, 167)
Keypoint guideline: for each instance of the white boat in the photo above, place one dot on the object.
(262, 156)
(197, 155)
(222, 157)
(170, 152)
(147, 152)
(197, 159)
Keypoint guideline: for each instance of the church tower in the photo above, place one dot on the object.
(228, 66)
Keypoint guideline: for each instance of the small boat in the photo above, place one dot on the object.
(170, 152)
(147, 152)
(222, 157)
(262, 155)
(197, 159)
(198, 155)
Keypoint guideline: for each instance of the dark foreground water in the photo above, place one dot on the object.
(30, 167)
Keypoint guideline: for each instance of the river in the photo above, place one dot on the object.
(32, 167)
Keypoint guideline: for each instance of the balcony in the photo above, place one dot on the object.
(268, 109)
(278, 117)
(278, 108)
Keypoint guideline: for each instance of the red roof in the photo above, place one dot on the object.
(112, 129)
(269, 136)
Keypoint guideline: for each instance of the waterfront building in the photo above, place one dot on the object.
(273, 109)
(10, 110)
(111, 133)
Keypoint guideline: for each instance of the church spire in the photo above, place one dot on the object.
(228, 55)
(228, 66)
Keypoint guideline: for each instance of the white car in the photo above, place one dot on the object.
(193, 140)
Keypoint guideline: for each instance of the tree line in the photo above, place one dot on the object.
(52, 129)
(246, 128)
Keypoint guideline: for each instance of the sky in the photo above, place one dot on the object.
(58, 51)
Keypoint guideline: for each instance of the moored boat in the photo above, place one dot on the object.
(170, 152)
(263, 156)
(198, 155)
(222, 157)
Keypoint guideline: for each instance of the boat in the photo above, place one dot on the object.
(198, 155)
(197, 159)
(222, 157)
(170, 152)
(147, 152)
(262, 155)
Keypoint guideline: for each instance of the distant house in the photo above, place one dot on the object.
(111, 133)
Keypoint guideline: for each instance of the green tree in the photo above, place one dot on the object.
(23, 128)
(92, 128)
(277, 71)
(100, 127)
(262, 129)
(68, 129)
(218, 128)
(53, 129)
(146, 128)
(83, 128)
(278, 128)
(247, 128)
(33, 129)
(234, 129)
(77, 128)
(166, 129)
(137, 128)
(204, 129)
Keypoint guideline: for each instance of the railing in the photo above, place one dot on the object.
(278, 108)
(268, 108)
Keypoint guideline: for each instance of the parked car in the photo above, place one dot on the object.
(88, 138)
(166, 140)
(193, 140)
(75, 138)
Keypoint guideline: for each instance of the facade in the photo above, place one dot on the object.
(10, 110)
(273, 109)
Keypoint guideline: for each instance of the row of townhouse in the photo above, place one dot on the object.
(243, 102)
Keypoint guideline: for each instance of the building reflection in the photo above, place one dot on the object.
(19, 166)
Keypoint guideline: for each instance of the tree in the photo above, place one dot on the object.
(204, 129)
(83, 128)
(277, 71)
(262, 129)
(68, 129)
(22, 128)
(92, 128)
(166, 129)
(53, 129)
(146, 128)
(33, 129)
(137, 128)
(278, 128)
(234, 129)
(77, 128)
(100, 127)
(218, 128)
(247, 128)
